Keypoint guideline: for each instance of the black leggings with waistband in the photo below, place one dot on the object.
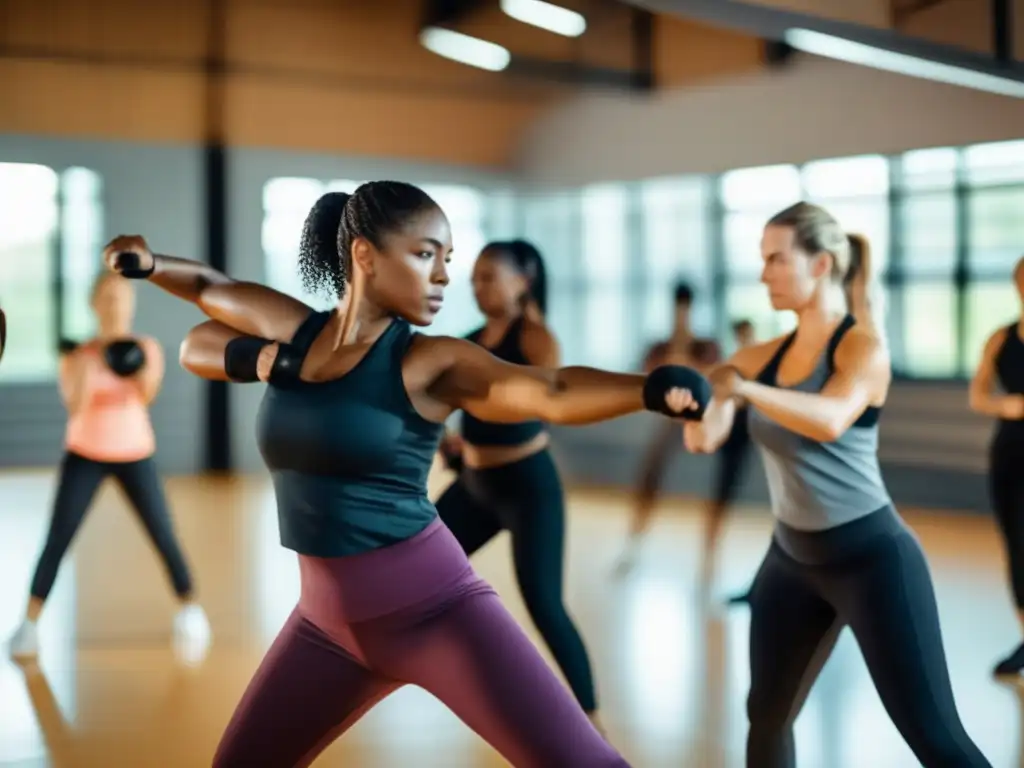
(871, 575)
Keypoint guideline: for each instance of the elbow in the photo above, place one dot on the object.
(550, 410)
(551, 406)
(187, 356)
(976, 401)
(830, 430)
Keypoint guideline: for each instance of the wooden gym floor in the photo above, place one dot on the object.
(671, 671)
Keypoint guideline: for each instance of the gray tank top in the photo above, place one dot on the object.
(815, 486)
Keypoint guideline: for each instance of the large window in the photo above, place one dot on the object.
(923, 325)
(551, 221)
(675, 245)
(29, 217)
(81, 240)
(605, 229)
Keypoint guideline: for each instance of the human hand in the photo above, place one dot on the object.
(128, 253)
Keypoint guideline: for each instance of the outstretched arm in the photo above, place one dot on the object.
(861, 379)
(493, 390)
(250, 308)
(982, 398)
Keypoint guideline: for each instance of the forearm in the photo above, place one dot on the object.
(989, 404)
(184, 278)
(811, 415)
(242, 306)
(579, 395)
(708, 434)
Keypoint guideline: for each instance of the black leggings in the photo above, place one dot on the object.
(79, 480)
(525, 498)
(1006, 487)
(870, 574)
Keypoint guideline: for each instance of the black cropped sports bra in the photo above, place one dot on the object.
(487, 433)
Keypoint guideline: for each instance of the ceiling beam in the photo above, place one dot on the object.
(773, 24)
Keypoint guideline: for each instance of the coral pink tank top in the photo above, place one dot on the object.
(112, 423)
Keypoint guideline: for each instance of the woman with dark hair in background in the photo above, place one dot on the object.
(107, 385)
(348, 428)
(840, 553)
(507, 478)
(1002, 363)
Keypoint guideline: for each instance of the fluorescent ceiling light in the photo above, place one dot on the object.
(547, 16)
(901, 63)
(464, 49)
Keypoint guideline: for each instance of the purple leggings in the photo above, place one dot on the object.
(417, 613)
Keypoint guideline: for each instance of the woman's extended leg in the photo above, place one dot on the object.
(307, 691)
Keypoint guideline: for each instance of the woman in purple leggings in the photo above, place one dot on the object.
(348, 428)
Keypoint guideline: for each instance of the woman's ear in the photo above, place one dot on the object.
(362, 256)
(822, 265)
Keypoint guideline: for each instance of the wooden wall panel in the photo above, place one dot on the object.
(687, 53)
(336, 76)
(323, 75)
(426, 126)
(100, 102)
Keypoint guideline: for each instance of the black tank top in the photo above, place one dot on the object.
(1009, 365)
(349, 458)
(488, 433)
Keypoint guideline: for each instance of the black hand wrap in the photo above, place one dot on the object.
(67, 346)
(452, 458)
(129, 264)
(287, 365)
(241, 356)
(125, 357)
(666, 377)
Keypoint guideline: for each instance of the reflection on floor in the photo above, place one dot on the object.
(672, 671)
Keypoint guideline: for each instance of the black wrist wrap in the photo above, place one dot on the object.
(129, 264)
(241, 356)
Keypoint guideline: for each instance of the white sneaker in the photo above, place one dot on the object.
(192, 630)
(24, 643)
